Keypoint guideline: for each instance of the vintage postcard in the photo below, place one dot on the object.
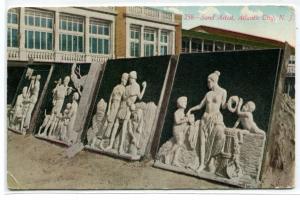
(150, 97)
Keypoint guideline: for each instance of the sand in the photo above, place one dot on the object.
(37, 164)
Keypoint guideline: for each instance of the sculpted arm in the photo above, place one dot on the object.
(224, 97)
(198, 107)
(180, 119)
(239, 112)
(144, 85)
(237, 123)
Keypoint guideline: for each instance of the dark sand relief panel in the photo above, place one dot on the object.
(127, 105)
(218, 115)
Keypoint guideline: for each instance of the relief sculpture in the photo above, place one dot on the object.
(207, 147)
(58, 125)
(125, 127)
(21, 113)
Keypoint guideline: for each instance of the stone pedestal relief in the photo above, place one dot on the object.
(19, 116)
(207, 148)
(122, 125)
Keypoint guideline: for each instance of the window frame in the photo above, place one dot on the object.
(100, 38)
(135, 41)
(69, 32)
(148, 43)
(38, 28)
(12, 27)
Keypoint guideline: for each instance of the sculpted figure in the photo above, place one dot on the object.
(135, 129)
(97, 123)
(246, 117)
(18, 114)
(180, 150)
(180, 127)
(72, 116)
(45, 122)
(50, 122)
(59, 94)
(64, 122)
(34, 88)
(131, 94)
(212, 137)
(114, 103)
(77, 78)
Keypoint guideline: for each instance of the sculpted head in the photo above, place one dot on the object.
(66, 80)
(69, 105)
(249, 106)
(76, 96)
(38, 77)
(132, 76)
(124, 78)
(213, 79)
(182, 102)
(24, 91)
(101, 106)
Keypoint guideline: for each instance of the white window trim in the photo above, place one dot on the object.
(79, 20)
(135, 28)
(100, 36)
(147, 42)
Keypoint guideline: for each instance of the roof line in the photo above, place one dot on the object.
(236, 32)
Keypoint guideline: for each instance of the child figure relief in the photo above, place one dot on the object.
(245, 117)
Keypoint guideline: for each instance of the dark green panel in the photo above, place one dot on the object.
(14, 76)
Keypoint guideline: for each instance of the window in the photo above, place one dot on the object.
(12, 16)
(229, 47)
(71, 33)
(238, 47)
(196, 45)
(149, 42)
(164, 42)
(99, 37)
(135, 38)
(38, 29)
(208, 46)
(38, 18)
(219, 46)
(12, 28)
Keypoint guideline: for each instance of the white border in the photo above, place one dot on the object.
(152, 194)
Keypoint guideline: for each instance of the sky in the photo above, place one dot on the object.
(274, 22)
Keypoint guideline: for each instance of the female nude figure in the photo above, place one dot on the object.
(212, 137)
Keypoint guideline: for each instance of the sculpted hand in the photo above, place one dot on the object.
(144, 84)
(241, 101)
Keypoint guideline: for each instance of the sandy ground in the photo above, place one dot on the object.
(38, 164)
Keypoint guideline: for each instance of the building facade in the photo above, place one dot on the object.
(89, 34)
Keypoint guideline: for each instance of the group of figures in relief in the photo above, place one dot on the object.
(58, 125)
(20, 114)
(207, 145)
(119, 127)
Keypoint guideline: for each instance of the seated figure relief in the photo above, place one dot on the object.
(126, 125)
(20, 114)
(207, 146)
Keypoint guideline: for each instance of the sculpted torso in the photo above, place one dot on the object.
(132, 92)
(117, 93)
(61, 92)
(214, 100)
